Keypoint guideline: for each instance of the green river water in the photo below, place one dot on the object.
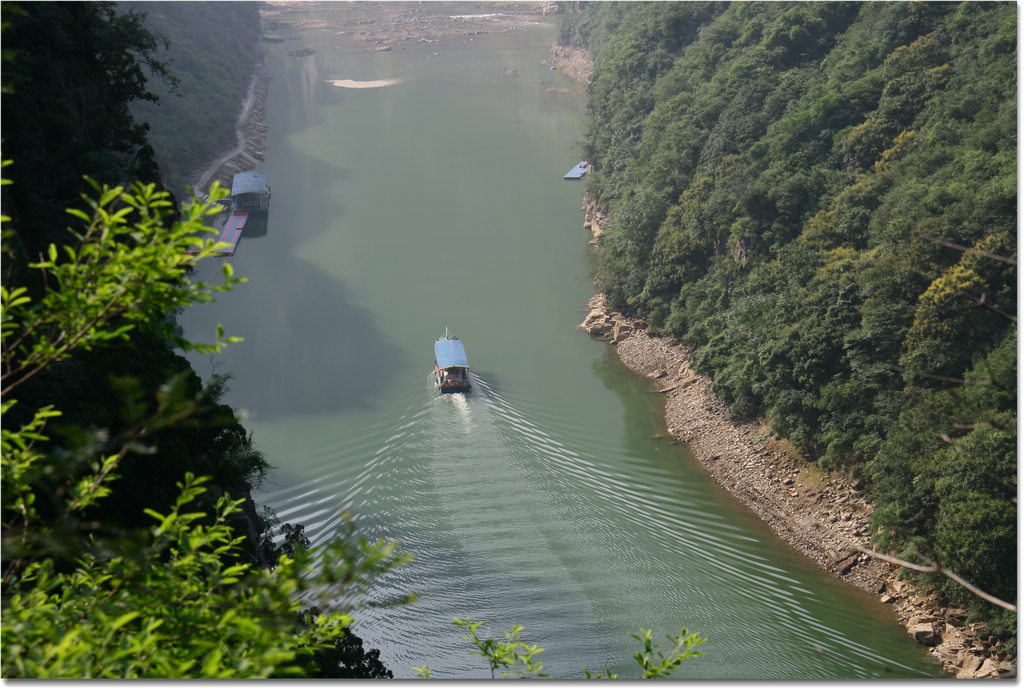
(543, 498)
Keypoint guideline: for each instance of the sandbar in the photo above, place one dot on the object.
(369, 84)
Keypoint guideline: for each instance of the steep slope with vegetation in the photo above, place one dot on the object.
(212, 50)
(71, 71)
(65, 115)
(820, 200)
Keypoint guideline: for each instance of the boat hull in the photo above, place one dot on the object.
(452, 380)
(454, 388)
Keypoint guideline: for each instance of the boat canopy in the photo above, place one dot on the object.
(450, 353)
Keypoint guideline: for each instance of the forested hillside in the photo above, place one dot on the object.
(212, 50)
(65, 109)
(820, 199)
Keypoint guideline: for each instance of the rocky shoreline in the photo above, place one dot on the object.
(824, 516)
(575, 63)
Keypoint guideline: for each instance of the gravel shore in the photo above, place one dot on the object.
(824, 516)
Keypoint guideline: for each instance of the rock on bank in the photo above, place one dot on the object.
(824, 516)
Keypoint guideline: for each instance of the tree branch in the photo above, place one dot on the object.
(68, 344)
(940, 378)
(982, 302)
(940, 570)
(973, 251)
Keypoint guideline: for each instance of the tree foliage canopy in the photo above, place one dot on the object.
(821, 200)
(175, 598)
(70, 72)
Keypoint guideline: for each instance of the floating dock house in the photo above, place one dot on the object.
(250, 195)
(577, 171)
(249, 192)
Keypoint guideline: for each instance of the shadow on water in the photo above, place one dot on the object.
(632, 389)
(308, 349)
(256, 226)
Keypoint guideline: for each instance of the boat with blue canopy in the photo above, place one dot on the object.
(451, 367)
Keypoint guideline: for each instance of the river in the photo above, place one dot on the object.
(546, 497)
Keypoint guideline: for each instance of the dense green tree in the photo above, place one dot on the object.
(820, 200)
(70, 72)
(177, 598)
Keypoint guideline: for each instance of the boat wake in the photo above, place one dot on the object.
(462, 406)
(496, 509)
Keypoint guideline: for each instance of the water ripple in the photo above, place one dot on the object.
(506, 517)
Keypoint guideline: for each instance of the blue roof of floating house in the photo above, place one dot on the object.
(450, 352)
(248, 181)
(577, 171)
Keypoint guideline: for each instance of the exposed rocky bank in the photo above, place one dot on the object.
(573, 62)
(823, 515)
